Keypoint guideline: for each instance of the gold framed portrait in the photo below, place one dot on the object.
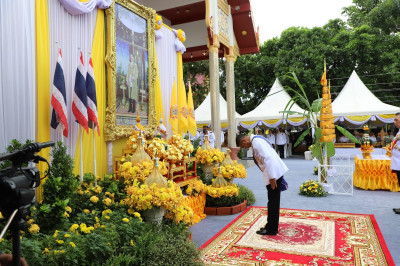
(131, 71)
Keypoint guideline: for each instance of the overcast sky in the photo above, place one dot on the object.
(274, 16)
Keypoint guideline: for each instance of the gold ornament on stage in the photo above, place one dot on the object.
(219, 181)
(140, 156)
(156, 177)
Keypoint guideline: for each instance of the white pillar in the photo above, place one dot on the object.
(230, 96)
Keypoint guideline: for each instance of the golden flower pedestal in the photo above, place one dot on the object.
(207, 169)
(154, 215)
(366, 154)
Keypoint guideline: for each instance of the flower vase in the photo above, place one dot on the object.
(207, 169)
(154, 215)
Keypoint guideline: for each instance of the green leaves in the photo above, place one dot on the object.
(347, 134)
(316, 105)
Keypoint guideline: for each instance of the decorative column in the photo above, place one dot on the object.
(230, 59)
(214, 90)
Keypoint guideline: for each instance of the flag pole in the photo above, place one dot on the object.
(81, 133)
(94, 158)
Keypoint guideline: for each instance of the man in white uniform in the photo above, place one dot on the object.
(273, 169)
(271, 137)
(280, 142)
(211, 136)
(395, 165)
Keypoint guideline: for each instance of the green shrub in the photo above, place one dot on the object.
(246, 194)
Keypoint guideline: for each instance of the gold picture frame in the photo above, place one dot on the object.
(131, 71)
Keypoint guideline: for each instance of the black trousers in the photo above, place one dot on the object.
(274, 202)
(281, 149)
(398, 176)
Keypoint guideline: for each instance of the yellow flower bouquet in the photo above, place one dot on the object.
(183, 214)
(132, 141)
(157, 145)
(184, 145)
(311, 188)
(228, 191)
(209, 156)
(231, 171)
(142, 197)
(173, 155)
(140, 171)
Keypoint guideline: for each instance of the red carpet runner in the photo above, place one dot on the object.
(305, 238)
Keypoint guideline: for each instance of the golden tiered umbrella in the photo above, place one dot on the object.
(228, 159)
(326, 117)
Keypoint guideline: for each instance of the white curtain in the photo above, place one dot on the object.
(167, 66)
(70, 33)
(17, 71)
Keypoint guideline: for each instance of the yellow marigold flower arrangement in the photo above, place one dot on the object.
(143, 197)
(209, 156)
(184, 145)
(140, 171)
(126, 220)
(311, 188)
(34, 228)
(132, 141)
(230, 171)
(68, 209)
(173, 154)
(157, 146)
(229, 191)
(195, 187)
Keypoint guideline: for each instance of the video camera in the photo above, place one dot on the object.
(17, 183)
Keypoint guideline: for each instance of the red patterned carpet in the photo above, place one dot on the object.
(304, 238)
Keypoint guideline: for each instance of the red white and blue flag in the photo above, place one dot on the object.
(59, 99)
(79, 103)
(91, 98)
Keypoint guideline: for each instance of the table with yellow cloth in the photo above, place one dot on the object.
(375, 173)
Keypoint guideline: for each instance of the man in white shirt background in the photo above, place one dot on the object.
(273, 169)
(211, 136)
(281, 139)
(271, 137)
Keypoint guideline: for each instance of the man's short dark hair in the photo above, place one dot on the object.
(397, 114)
(239, 139)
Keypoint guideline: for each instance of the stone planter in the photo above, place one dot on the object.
(226, 210)
(234, 153)
(154, 215)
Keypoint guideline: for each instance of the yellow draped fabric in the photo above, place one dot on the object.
(98, 55)
(387, 116)
(182, 104)
(374, 174)
(43, 82)
(159, 103)
(173, 111)
(296, 119)
(197, 204)
(191, 118)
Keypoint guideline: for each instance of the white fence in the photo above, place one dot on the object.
(339, 175)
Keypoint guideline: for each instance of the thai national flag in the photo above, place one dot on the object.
(59, 99)
(91, 98)
(79, 103)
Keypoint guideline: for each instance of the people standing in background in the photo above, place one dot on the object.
(280, 142)
(372, 136)
(395, 164)
(271, 137)
(211, 136)
(344, 139)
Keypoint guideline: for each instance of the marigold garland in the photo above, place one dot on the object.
(195, 187)
(139, 172)
(230, 171)
(228, 191)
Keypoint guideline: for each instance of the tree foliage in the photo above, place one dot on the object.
(368, 44)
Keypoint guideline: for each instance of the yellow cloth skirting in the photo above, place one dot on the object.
(197, 204)
(374, 174)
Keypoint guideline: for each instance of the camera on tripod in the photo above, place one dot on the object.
(17, 183)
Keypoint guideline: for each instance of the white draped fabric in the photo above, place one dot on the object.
(75, 7)
(167, 66)
(17, 71)
(265, 123)
(69, 33)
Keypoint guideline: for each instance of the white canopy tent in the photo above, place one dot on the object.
(203, 112)
(357, 105)
(268, 112)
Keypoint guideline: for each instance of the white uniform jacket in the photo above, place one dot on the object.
(268, 160)
(395, 165)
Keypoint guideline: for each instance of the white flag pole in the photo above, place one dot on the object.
(81, 132)
(94, 159)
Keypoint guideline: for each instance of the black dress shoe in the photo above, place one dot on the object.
(396, 210)
(265, 232)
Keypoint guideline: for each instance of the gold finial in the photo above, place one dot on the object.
(329, 83)
(138, 117)
(324, 65)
